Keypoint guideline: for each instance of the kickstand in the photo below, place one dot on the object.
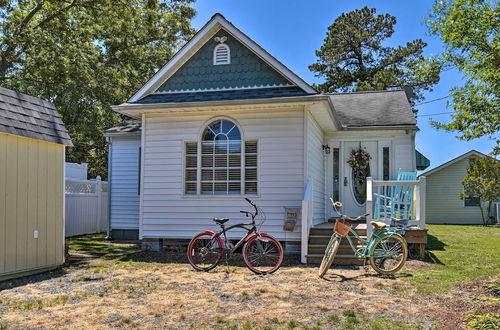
(365, 266)
(228, 269)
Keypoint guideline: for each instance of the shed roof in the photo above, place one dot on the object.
(31, 117)
(374, 108)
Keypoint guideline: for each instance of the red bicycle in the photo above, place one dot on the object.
(262, 253)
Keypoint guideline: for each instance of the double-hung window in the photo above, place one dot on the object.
(221, 163)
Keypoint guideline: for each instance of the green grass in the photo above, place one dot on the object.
(482, 320)
(96, 245)
(458, 254)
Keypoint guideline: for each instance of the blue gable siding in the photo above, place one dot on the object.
(246, 70)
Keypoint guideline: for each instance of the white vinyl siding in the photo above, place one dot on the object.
(124, 206)
(443, 204)
(168, 212)
(315, 168)
(402, 154)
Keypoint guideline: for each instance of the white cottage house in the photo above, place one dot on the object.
(224, 120)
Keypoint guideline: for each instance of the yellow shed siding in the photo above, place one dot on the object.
(442, 197)
(31, 199)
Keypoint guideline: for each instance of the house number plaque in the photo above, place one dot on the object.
(292, 215)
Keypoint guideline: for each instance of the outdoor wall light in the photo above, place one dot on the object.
(326, 149)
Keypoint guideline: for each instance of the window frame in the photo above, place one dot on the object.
(471, 160)
(388, 148)
(243, 140)
(471, 199)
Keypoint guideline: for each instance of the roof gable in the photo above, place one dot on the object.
(245, 71)
(453, 161)
(205, 35)
(31, 117)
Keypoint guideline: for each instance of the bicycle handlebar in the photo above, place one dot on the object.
(254, 206)
(337, 205)
(354, 219)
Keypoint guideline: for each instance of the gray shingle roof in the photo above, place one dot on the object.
(130, 126)
(31, 117)
(378, 108)
(240, 94)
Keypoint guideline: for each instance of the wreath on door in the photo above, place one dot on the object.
(359, 159)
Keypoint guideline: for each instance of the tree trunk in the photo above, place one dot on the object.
(482, 212)
(489, 212)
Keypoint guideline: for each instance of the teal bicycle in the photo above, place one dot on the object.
(386, 248)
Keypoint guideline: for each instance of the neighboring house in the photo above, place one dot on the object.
(444, 185)
(32, 151)
(223, 120)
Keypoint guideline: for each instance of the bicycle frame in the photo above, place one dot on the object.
(250, 232)
(364, 251)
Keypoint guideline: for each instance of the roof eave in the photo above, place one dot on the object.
(135, 133)
(135, 110)
(453, 161)
(381, 127)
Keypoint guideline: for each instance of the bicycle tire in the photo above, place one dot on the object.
(377, 263)
(255, 245)
(330, 252)
(191, 253)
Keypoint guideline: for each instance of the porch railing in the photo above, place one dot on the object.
(306, 221)
(412, 209)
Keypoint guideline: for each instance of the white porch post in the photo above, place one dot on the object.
(420, 211)
(369, 204)
(306, 215)
(305, 231)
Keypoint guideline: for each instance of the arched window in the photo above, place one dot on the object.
(222, 54)
(221, 159)
(227, 165)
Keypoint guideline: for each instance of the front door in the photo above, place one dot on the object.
(354, 178)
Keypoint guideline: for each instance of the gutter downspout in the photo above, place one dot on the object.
(110, 182)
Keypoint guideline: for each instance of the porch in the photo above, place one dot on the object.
(315, 236)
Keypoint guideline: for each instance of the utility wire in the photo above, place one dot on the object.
(438, 99)
(435, 114)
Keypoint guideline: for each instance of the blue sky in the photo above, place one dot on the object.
(293, 30)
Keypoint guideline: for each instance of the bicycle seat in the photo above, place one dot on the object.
(378, 224)
(220, 221)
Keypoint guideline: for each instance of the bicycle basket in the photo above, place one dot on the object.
(342, 227)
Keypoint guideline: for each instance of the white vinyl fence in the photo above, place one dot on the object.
(76, 171)
(86, 207)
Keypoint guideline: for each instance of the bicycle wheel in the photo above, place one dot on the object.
(204, 251)
(263, 254)
(330, 252)
(389, 254)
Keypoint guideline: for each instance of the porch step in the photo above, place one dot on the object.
(344, 248)
(340, 259)
(327, 228)
(324, 239)
(320, 235)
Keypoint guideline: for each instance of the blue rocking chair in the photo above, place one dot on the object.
(397, 200)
